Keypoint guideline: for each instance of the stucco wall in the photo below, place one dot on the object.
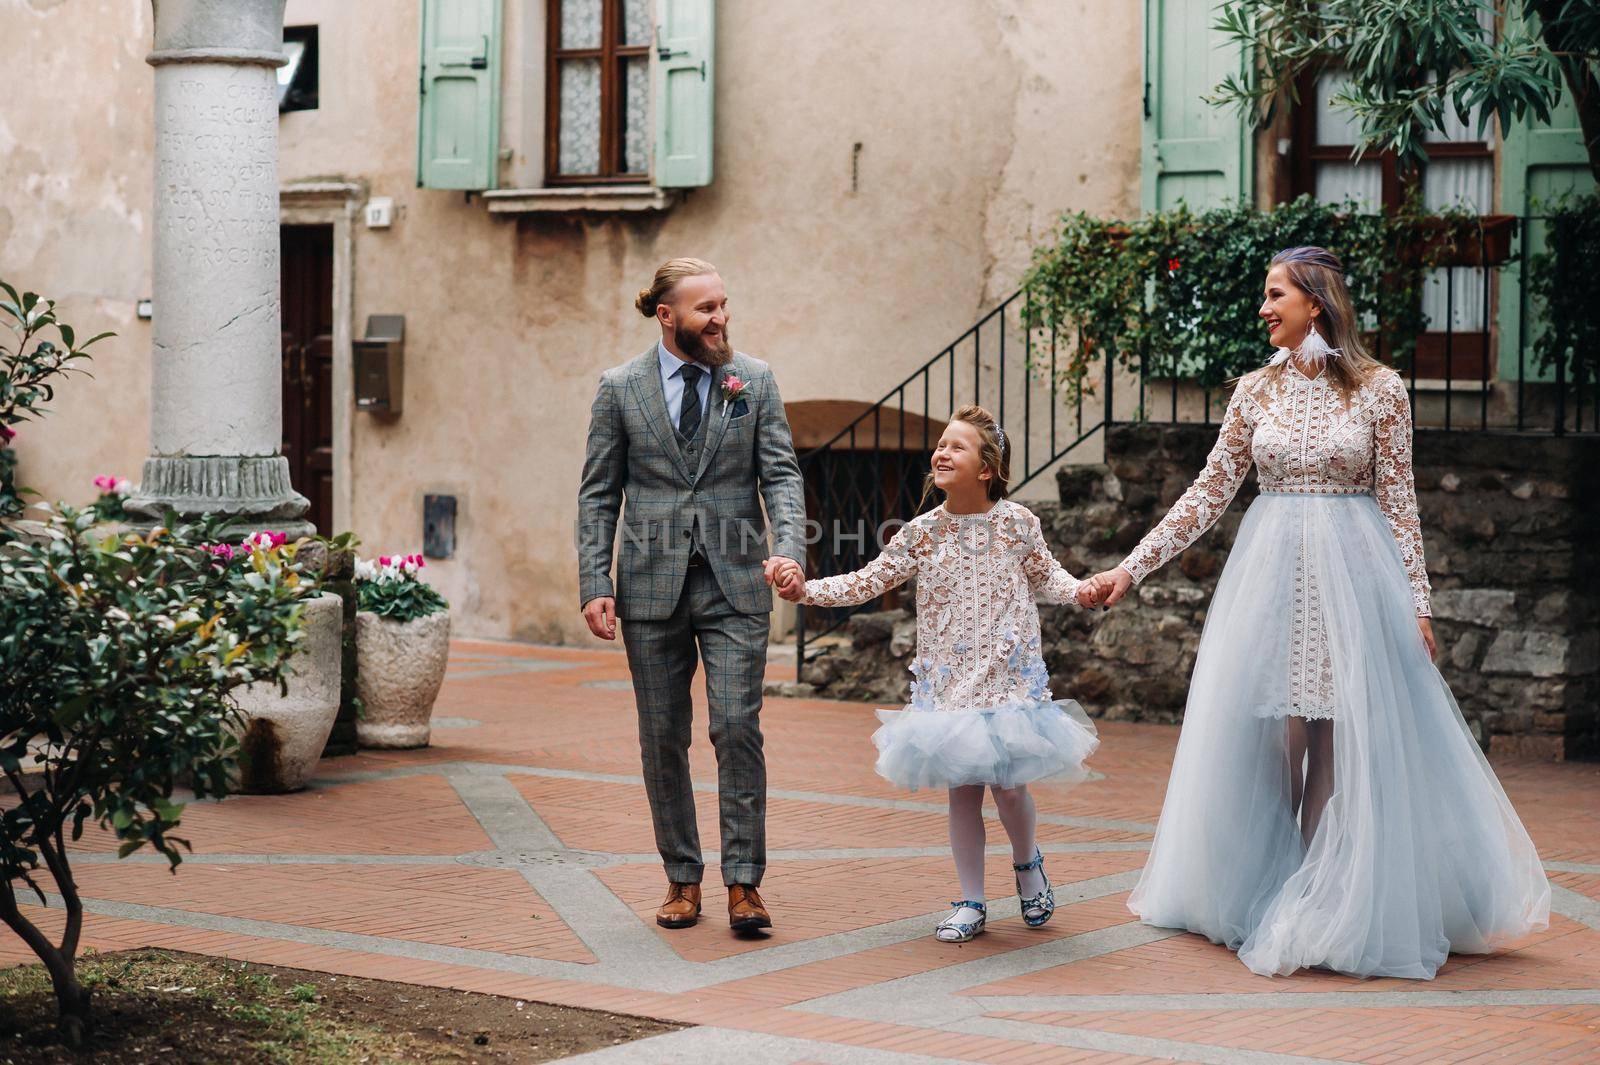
(979, 120)
(76, 129)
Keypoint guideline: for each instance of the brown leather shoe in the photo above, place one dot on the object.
(746, 911)
(682, 907)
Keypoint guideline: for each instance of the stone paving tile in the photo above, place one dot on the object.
(1518, 1034)
(451, 905)
(841, 896)
(1566, 956)
(611, 816)
(533, 779)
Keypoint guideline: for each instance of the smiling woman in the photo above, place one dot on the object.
(1310, 318)
(1315, 671)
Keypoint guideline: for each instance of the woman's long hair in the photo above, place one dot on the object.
(1320, 275)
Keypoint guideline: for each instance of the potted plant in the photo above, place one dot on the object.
(402, 642)
(284, 727)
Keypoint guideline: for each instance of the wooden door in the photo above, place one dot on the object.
(308, 366)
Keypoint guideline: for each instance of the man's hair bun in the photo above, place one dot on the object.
(667, 277)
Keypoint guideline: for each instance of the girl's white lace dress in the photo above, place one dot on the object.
(980, 710)
(1418, 852)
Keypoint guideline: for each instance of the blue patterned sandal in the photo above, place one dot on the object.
(951, 930)
(1037, 909)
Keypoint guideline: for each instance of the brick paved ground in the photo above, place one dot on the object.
(515, 856)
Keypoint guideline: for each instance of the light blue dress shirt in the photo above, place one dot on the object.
(672, 384)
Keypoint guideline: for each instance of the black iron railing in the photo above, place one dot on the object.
(869, 476)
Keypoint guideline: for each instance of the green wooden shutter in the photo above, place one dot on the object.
(458, 134)
(1192, 151)
(685, 91)
(1538, 162)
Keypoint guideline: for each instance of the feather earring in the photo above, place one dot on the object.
(1313, 350)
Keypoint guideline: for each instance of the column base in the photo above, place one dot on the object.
(252, 491)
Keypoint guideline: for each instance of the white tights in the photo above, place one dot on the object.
(967, 835)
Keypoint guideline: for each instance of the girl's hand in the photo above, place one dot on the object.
(1088, 594)
(1426, 625)
(1113, 585)
(785, 575)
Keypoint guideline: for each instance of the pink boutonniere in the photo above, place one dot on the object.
(732, 395)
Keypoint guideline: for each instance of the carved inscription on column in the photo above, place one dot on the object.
(216, 170)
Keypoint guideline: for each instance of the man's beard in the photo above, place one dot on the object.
(695, 345)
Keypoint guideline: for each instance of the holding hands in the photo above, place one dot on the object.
(786, 576)
(1105, 589)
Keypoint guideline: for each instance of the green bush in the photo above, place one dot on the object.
(30, 363)
(1564, 289)
(119, 655)
(1176, 292)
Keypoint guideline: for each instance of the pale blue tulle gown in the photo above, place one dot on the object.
(1418, 852)
(981, 711)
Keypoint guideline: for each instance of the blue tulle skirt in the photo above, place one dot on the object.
(1013, 743)
(1418, 852)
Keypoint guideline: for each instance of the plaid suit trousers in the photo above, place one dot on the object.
(662, 657)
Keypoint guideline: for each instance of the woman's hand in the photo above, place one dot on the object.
(1111, 586)
(1426, 625)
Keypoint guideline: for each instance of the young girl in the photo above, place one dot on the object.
(980, 712)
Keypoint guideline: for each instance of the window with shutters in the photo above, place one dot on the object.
(628, 93)
(597, 112)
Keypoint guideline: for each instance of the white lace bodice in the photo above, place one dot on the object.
(978, 577)
(1304, 438)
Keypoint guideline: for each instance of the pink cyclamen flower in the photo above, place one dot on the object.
(105, 484)
(7, 434)
(383, 560)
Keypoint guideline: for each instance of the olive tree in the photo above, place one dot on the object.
(1413, 62)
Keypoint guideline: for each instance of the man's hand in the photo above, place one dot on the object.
(601, 614)
(786, 576)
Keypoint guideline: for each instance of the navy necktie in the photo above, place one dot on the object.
(689, 413)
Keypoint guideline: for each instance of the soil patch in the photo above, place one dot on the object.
(170, 1008)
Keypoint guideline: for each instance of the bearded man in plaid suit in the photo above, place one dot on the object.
(687, 441)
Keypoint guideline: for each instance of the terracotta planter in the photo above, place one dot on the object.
(283, 735)
(399, 667)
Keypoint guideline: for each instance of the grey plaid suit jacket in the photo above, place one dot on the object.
(634, 464)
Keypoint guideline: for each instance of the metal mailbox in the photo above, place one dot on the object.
(380, 364)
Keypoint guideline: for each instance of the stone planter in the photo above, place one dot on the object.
(282, 736)
(399, 667)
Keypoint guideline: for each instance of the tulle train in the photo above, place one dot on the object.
(1418, 853)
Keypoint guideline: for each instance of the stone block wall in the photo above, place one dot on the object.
(1511, 525)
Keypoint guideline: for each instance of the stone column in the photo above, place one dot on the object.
(216, 418)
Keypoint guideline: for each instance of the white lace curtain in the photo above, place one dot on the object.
(581, 101)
